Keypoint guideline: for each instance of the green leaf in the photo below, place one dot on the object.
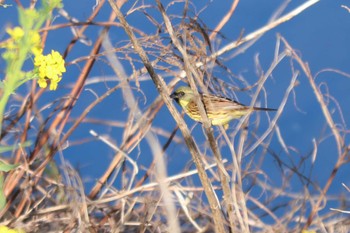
(2, 194)
(10, 148)
(27, 18)
(52, 171)
(5, 167)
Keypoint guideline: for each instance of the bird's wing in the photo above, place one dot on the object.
(223, 103)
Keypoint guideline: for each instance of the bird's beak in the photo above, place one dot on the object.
(173, 96)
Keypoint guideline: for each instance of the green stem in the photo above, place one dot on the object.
(3, 102)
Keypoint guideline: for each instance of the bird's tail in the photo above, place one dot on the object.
(264, 109)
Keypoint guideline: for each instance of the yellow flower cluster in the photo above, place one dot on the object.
(35, 42)
(17, 34)
(5, 229)
(49, 67)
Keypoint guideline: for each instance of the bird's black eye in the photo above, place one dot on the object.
(180, 94)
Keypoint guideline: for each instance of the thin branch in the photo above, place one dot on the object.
(163, 91)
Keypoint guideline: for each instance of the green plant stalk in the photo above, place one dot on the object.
(15, 77)
(30, 20)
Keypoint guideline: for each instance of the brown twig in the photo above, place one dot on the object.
(219, 223)
(342, 150)
(224, 20)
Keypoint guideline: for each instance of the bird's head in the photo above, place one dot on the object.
(183, 95)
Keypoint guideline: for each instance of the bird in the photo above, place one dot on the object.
(220, 110)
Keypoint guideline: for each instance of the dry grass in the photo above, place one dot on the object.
(234, 194)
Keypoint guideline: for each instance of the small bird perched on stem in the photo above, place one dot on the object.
(220, 110)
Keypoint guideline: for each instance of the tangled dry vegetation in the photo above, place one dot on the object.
(218, 192)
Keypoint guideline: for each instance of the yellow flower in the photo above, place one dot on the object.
(19, 38)
(5, 229)
(16, 34)
(35, 41)
(49, 67)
